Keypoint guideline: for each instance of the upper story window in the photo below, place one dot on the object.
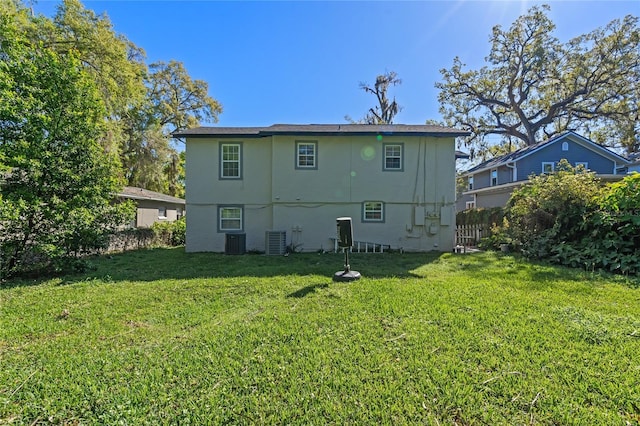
(494, 177)
(565, 146)
(548, 167)
(162, 212)
(470, 183)
(373, 211)
(393, 157)
(230, 218)
(230, 161)
(306, 155)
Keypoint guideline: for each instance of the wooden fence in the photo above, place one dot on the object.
(470, 235)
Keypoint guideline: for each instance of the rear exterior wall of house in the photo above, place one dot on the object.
(300, 184)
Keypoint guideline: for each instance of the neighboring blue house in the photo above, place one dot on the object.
(491, 183)
(634, 165)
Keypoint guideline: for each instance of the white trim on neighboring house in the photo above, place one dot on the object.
(552, 167)
(618, 160)
(495, 189)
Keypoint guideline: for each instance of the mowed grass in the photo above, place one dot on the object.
(165, 337)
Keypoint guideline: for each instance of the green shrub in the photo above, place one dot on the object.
(480, 216)
(569, 218)
(551, 209)
(170, 233)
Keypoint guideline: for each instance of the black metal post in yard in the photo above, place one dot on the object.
(347, 274)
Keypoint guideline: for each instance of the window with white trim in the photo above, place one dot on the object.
(306, 155)
(565, 146)
(373, 211)
(470, 183)
(582, 164)
(230, 161)
(494, 177)
(162, 212)
(230, 218)
(548, 167)
(393, 157)
(470, 205)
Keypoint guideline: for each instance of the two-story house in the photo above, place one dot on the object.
(262, 187)
(491, 183)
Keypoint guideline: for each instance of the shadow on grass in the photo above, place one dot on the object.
(307, 290)
(175, 263)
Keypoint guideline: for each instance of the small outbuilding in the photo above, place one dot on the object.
(153, 206)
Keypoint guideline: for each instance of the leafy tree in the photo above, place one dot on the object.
(58, 184)
(115, 63)
(534, 86)
(178, 101)
(143, 105)
(387, 109)
(173, 102)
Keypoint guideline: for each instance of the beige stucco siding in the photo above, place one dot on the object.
(147, 212)
(275, 195)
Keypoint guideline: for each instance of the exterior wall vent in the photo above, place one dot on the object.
(275, 242)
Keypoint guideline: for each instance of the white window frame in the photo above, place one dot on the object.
(470, 205)
(225, 161)
(162, 212)
(548, 163)
(582, 163)
(239, 217)
(373, 211)
(470, 183)
(397, 154)
(306, 160)
(493, 177)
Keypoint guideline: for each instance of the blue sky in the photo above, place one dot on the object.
(302, 62)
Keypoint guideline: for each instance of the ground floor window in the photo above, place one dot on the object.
(373, 211)
(230, 218)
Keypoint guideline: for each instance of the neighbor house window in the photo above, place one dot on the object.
(373, 211)
(470, 183)
(393, 157)
(548, 167)
(494, 177)
(162, 212)
(582, 164)
(230, 161)
(306, 155)
(230, 218)
(470, 205)
(565, 146)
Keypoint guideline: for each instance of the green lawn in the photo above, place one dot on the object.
(164, 337)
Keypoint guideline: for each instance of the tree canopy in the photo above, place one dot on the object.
(143, 104)
(534, 86)
(58, 182)
(386, 109)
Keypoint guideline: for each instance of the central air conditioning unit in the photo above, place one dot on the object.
(275, 242)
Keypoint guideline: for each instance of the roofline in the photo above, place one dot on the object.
(150, 197)
(312, 130)
(624, 162)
